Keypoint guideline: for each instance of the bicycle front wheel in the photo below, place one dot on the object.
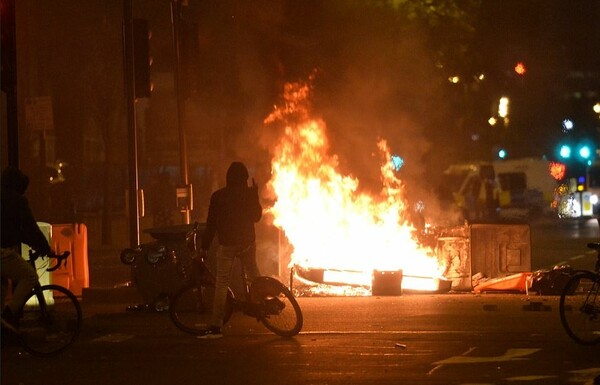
(280, 312)
(191, 308)
(580, 308)
(51, 321)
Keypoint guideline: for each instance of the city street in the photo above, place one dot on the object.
(429, 339)
(422, 175)
(458, 338)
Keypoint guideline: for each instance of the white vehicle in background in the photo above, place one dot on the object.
(593, 186)
(523, 187)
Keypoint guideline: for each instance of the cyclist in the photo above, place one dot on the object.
(18, 226)
(232, 213)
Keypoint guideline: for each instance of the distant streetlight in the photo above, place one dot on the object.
(503, 107)
(597, 108)
(568, 124)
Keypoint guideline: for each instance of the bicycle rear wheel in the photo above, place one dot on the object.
(191, 308)
(580, 308)
(51, 321)
(280, 313)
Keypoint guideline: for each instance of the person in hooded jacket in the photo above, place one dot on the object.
(18, 226)
(232, 213)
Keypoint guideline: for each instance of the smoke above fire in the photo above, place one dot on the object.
(329, 221)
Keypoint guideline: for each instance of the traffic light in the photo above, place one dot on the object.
(141, 58)
(520, 68)
(565, 151)
(585, 152)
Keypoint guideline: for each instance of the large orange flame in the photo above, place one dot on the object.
(329, 223)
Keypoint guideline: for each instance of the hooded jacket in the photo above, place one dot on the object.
(18, 224)
(233, 210)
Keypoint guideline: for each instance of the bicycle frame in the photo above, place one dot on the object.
(50, 320)
(44, 301)
(578, 307)
(264, 298)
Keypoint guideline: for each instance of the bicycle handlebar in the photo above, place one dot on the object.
(60, 258)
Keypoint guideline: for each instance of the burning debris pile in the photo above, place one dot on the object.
(338, 234)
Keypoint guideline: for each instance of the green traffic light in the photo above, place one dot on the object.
(565, 151)
(585, 152)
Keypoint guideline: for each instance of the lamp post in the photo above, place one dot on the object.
(129, 69)
(184, 191)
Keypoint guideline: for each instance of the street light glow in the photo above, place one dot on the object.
(568, 124)
(503, 107)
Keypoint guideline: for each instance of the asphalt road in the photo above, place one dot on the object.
(461, 338)
(408, 339)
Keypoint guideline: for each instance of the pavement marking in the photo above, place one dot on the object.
(114, 337)
(509, 355)
(585, 376)
(530, 378)
(342, 332)
(577, 257)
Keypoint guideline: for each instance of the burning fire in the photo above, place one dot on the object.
(330, 224)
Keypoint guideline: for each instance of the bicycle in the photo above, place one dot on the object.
(51, 319)
(580, 304)
(265, 298)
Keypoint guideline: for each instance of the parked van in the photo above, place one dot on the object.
(520, 187)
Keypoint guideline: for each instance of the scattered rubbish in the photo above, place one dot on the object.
(541, 282)
(551, 282)
(515, 282)
(478, 278)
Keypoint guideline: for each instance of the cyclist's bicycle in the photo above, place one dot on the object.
(265, 298)
(580, 304)
(51, 319)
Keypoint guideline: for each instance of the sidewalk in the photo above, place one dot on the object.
(108, 279)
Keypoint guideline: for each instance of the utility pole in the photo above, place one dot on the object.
(129, 71)
(184, 191)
